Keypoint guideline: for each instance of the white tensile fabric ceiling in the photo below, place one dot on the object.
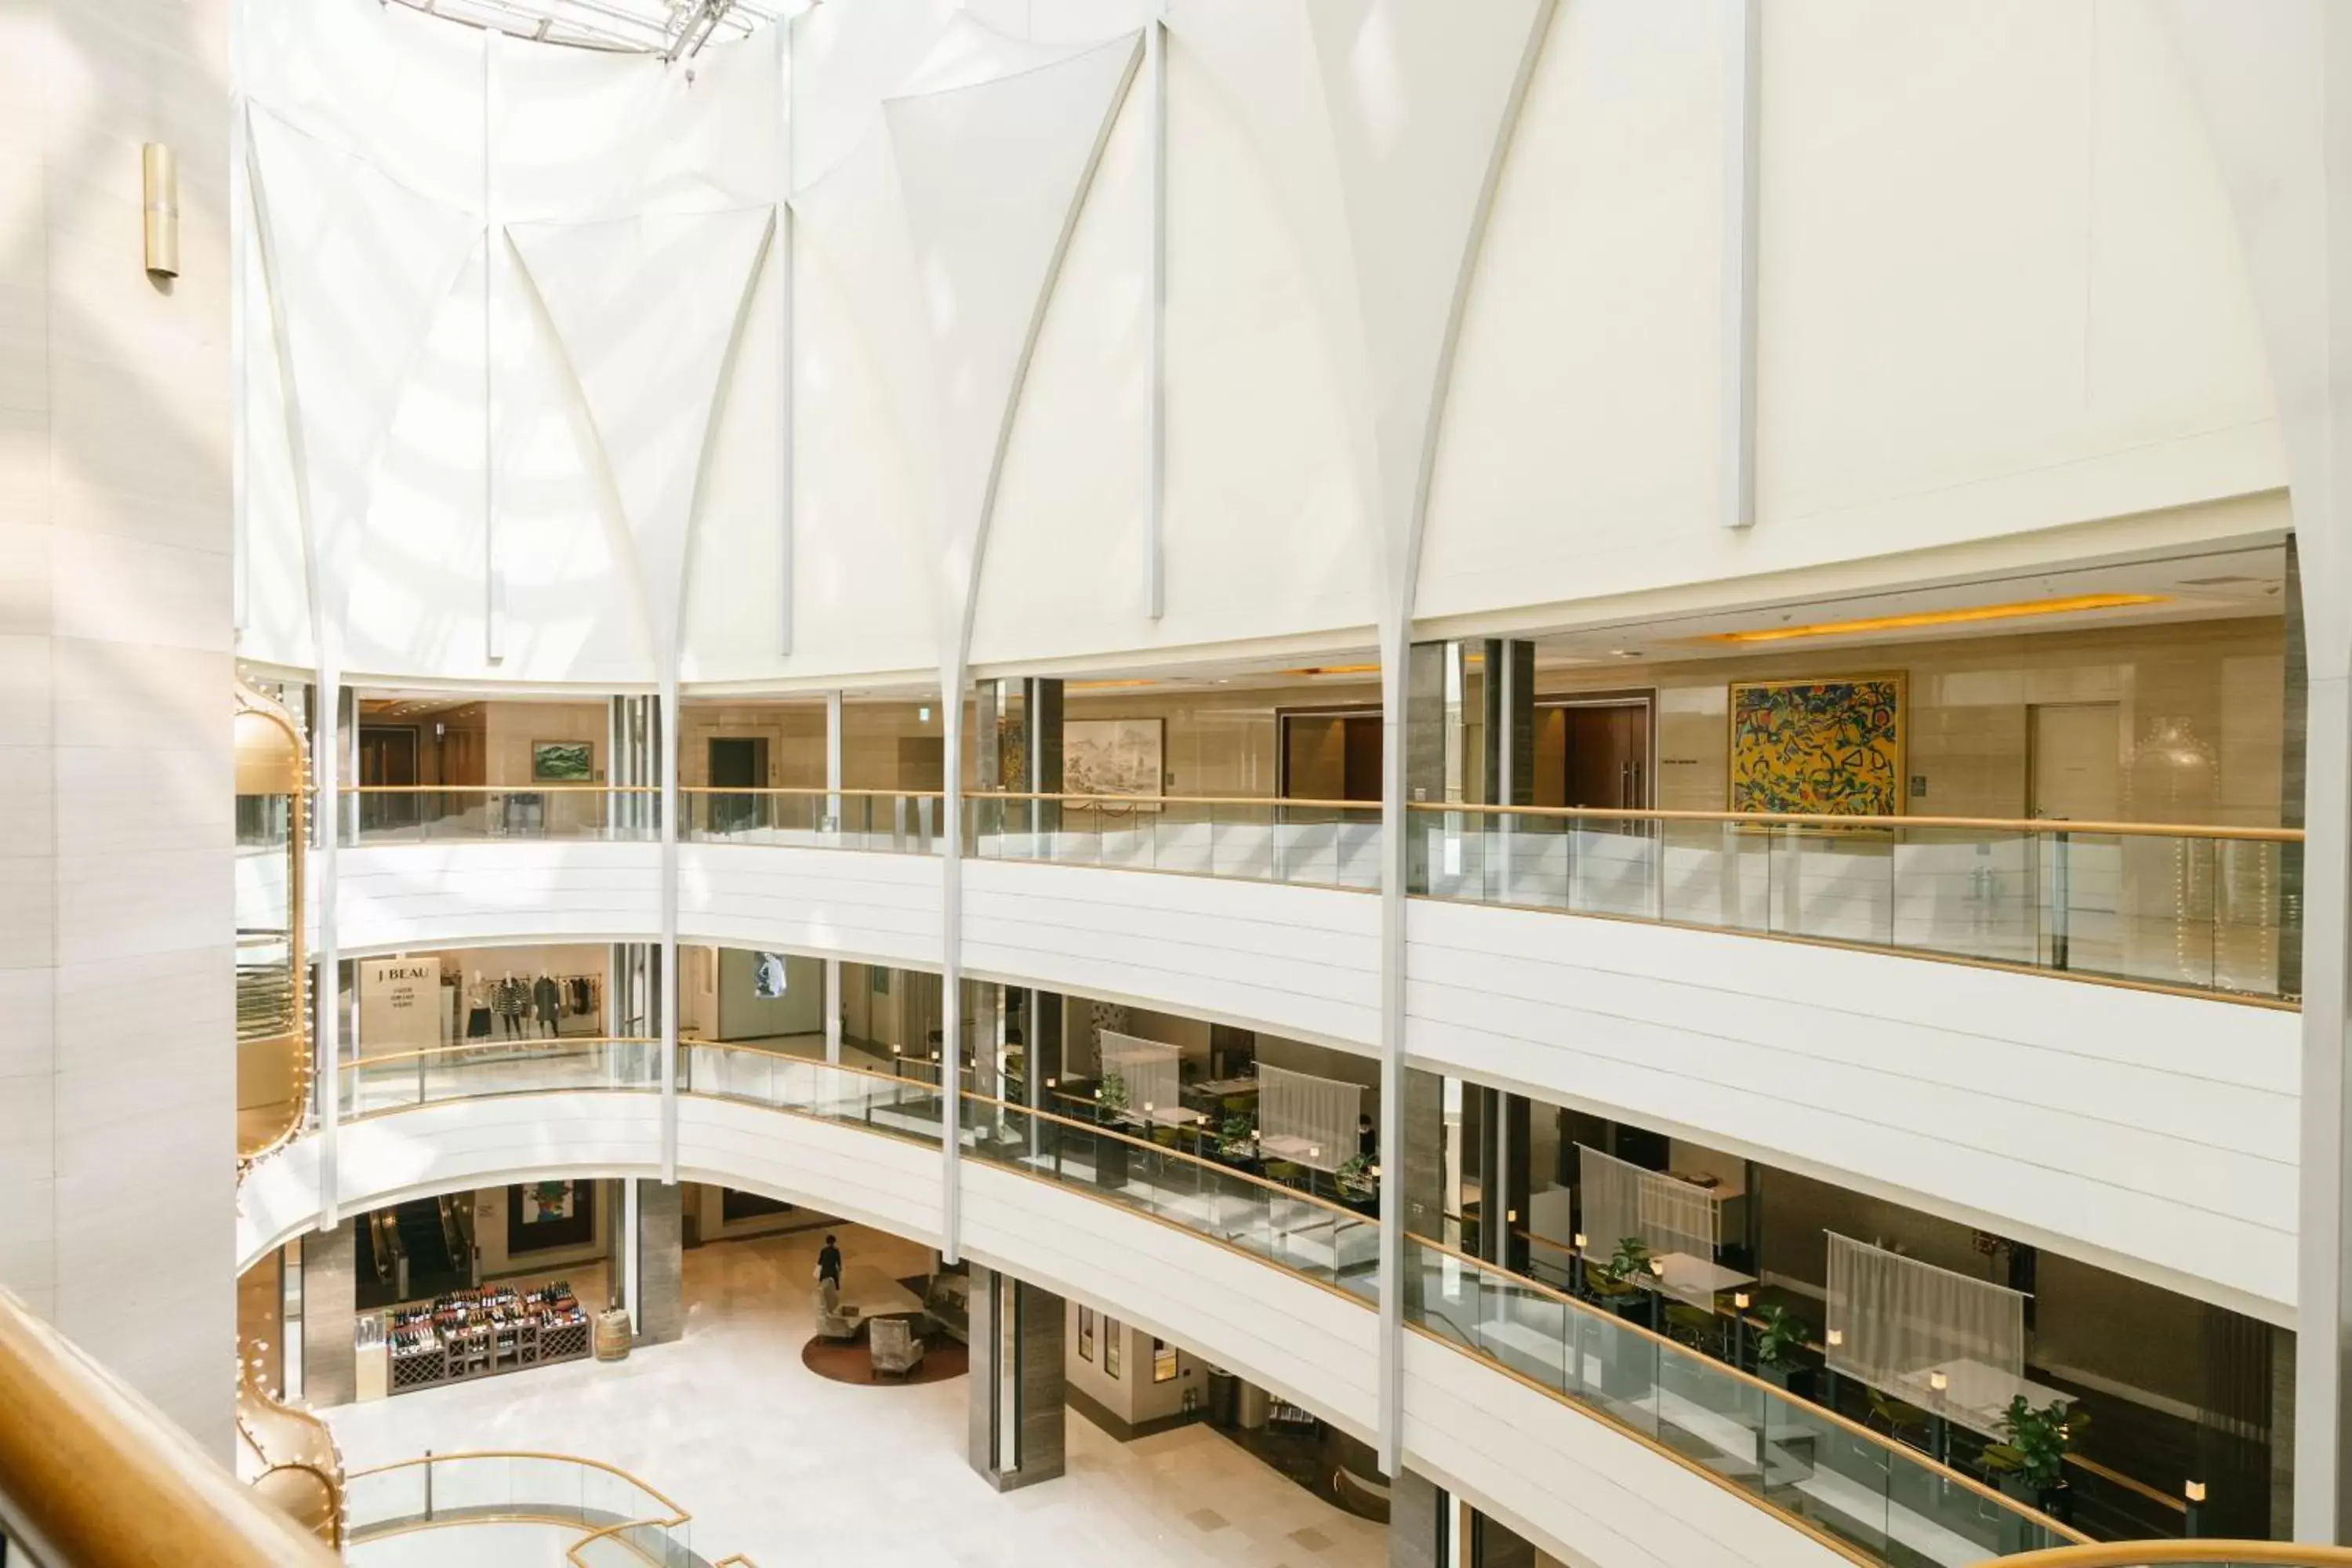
(669, 28)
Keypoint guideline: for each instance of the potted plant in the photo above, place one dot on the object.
(1779, 1335)
(2031, 1466)
(1111, 1094)
(1237, 1137)
(1110, 1152)
(1355, 1178)
(1626, 1359)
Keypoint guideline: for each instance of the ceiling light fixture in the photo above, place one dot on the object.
(1943, 617)
(1315, 669)
(1104, 685)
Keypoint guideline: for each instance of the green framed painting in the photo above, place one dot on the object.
(563, 762)
(1827, 748)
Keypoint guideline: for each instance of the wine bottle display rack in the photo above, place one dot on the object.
(482, 1332)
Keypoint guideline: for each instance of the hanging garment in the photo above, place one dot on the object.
(546, 998)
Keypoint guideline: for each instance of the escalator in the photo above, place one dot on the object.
(433, 1264)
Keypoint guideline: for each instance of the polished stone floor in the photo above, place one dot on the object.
(780, 1464)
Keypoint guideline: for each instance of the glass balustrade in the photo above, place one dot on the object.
(2203, 908)
(1311, 843)
(621, 1520)
(880, 1101)
(1891, 1501)
(901, 823)
(1309, 1236)
(403, 1080)
(455, 814)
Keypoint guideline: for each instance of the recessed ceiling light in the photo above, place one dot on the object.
(1624, 653)
(1104, 685)
(1315, 669)
(1942, 618)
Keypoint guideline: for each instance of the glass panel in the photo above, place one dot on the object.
(1886, 1499)
(2192, 909)
(374, 1084)
(1312, 845)
(884, 1103)
(435, 815)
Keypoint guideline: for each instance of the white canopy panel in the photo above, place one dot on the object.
(1669, 1216)
(1306, 1120)
(1148, 1067)
(1893, 1319)
(672, 28)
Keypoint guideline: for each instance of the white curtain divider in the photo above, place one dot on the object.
(1306, 1120)
(1898, 1316)
(1668, 1214)
(1148, 1067)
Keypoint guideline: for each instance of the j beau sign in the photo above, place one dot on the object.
(400, 1004)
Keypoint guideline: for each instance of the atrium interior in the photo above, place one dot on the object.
(1369, 784)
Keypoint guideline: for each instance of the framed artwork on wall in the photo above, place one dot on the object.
(1113, 756)
(1164, 1362)
(1830, 747)
(563, 762)
(1085, 1334)
(545, 1215)
(1110, 1339)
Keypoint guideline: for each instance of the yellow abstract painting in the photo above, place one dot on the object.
(1831, 748)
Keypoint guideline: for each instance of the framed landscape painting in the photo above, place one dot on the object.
(1829, 748)
(1112, 756)
(561, 762)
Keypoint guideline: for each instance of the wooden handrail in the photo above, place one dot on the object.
(567, 1513)
(468, 1048)
(1138, 800)
(809, 790)
(92, 1476)
(2036, 824)
(2209, 1553)
(1342, 1210)
(499, 789)
(1811, 1410)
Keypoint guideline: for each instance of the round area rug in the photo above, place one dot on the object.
(847, 1360)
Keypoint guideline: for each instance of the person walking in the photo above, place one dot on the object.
(828, 1263)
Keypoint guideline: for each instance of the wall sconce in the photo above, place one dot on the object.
(159, 206)
(1837, 1337)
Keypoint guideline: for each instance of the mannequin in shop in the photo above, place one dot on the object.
(477, 1007)
(508, 999)
(546, 1004)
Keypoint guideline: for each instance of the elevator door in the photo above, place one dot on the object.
(1594, 755)
(2077, 761)
(737, 761)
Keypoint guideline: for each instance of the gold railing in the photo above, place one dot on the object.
(901, 821)
(1735, 1429)
(622, 1519)
(482, 1069)
(438, 813)
(294, 1461)
(92, 1477)
(2204, 911)
(2200, 1554)
(1302, 842)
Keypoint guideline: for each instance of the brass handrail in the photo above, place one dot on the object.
(2216, 1553)
(1815, 819)
(811, 790)
(92, 1475)
(1134, 800)
(499, 789)
(1166, 1151)
(675, 1517)
(1811, 1410)
(468, 1048)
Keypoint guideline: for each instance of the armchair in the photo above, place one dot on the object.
(892, 1345)
(833, 1321)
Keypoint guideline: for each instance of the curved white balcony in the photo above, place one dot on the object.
(1576, 1428)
